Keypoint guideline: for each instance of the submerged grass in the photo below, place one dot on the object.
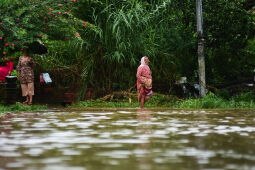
(19, 107)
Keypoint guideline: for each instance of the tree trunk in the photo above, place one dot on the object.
(201, 40)
(201, 68)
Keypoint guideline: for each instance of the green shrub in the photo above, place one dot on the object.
(212, 101)
(14, 73)
(244, 97)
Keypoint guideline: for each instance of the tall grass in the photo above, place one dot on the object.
(210, 101)
(129, 30)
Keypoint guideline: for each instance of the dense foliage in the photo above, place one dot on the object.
(100, 42)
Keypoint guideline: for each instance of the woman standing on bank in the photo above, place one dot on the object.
(144, 82)
(26, 76)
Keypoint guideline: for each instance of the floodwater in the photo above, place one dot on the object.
(129, 139)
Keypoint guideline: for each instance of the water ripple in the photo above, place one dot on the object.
(88, 140)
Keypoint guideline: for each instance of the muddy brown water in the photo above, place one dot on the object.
(128, 139)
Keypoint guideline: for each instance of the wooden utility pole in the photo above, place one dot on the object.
(200, 50)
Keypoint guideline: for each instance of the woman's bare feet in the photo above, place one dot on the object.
(25, 102)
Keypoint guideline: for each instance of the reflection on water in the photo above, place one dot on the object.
(129, 139)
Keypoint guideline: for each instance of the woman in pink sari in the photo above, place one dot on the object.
(144, 82)
(5, 70)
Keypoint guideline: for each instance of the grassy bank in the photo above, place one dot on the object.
(210, 101)
(19, 107)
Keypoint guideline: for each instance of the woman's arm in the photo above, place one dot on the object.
(32, 62)
(139, 75)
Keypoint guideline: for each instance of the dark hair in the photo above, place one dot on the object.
(27, 51)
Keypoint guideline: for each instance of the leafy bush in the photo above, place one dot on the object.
(211, 101)
(244, 97)
(14, 73)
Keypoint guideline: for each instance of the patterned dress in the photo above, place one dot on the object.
(25, 69)
(143, 75)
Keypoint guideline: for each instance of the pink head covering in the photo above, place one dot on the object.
(143, 62)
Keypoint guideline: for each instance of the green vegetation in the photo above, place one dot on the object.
(19, 107)
(14, 73)
(210, 101)
(99, 43)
